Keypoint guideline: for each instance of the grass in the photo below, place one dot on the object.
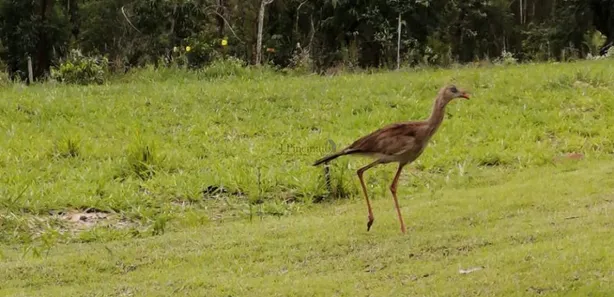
(207, 188)
(529, 239)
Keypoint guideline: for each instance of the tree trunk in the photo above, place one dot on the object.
(43, 48)
(525, 11)
(171, 31)
(263, 5)
(171, 35)
(520, 9)
(219, 17)
(296, 33)
(399, 44)
(73, 10)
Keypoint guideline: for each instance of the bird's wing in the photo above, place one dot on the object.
(390, 140)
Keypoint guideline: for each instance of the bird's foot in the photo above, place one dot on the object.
(369, 223)
(403, 230)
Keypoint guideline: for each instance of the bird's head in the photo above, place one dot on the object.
(451, 92)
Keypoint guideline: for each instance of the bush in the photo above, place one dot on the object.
(4, 78)
(608, 55)
(79, 69)
(230, 66)
(301, 62)
(506, 58)
(203, 50)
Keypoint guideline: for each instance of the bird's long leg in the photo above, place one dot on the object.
(364, 190)
(393, 189)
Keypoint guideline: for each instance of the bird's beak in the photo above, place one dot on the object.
(465, 95)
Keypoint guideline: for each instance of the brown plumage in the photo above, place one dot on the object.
(401, 143)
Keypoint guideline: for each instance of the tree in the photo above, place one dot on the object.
(263, 5)
(357, 33)
(32, 28)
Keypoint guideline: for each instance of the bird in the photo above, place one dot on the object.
(400, 143)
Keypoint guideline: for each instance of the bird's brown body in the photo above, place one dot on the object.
(401, 143)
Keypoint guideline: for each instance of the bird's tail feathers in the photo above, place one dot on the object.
(333, 156)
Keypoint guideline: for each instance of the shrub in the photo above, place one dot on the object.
(301, 62)
(608, 55)
(506, 58)
(230, 66)
(203, 50)
(79, 69)
(4, 78)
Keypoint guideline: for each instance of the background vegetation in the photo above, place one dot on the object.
(311, 35)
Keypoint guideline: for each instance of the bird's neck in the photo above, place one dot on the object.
(437, 115)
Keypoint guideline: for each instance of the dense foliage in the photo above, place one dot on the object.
(317, 34)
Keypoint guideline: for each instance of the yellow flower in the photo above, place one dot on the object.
(188, 48)
(224, 42)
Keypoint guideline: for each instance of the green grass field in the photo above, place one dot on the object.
(205, 187)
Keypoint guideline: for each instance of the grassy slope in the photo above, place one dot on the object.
(224, 133)
(543, 232)
(465, 205)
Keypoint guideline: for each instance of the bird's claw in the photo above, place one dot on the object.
(369, 223)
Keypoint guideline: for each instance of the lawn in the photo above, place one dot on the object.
(206, 188)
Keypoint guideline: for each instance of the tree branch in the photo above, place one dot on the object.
(297, 14)
(228, 24)
(128, 20)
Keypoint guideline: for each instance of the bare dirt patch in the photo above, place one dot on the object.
(85, 219)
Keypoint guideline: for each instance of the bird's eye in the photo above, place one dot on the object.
(453, 90)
